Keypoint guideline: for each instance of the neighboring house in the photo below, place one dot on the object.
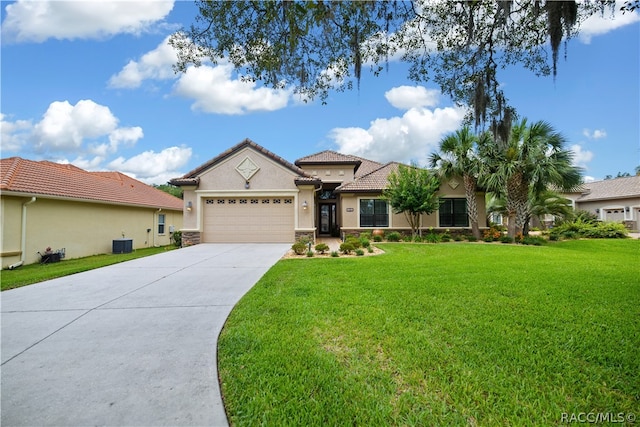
(249, 194)
(46, 204)
(615, 200)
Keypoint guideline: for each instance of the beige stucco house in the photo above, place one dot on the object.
(45, 204)
(615, 200)
(249, 194)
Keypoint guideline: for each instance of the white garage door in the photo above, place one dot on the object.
(248, 220)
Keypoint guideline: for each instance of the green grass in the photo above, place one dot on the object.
(460, 334)
(34, 273)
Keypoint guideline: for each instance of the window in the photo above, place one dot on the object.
(374, 213)
(160, 223)
(453, 213)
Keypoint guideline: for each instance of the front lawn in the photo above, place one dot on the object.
(450, 334)
(34, 273)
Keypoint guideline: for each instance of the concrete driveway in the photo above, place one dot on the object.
(129, 344)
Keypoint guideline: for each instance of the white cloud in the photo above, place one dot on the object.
(214, 91)
(588, 178)
(406, 97)
(93, 164)
(596, 134)
(598, 24)
(65, 127)
(37, 21)
(156, 64)
(411, 137)
(580, 156)
(14, 134)
(152, 167)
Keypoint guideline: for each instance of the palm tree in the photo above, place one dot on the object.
(532, 160)
(458, 157)
(547, 202)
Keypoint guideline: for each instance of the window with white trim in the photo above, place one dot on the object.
(161, 222)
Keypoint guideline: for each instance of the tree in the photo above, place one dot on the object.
(413, 192)
(458, 157)
(171, 189)
(545, 203)
(531, 161)
(319, 46)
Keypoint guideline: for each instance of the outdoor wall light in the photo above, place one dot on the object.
(246, 184)
(597, 210)
(304, 205)
(189, 206)
(626, 209)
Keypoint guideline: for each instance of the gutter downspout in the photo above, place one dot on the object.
(23, 237)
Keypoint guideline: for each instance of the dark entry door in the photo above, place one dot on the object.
(327, 218)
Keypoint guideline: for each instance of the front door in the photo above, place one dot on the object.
(327, 218)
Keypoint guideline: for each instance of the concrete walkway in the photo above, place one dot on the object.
(129, 344)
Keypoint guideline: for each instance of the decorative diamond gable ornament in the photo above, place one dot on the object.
(247, 168)
(453, 184)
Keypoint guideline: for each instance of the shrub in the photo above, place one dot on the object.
(471, 238)
(359, 252)
(533, 240)
(365, 242)
(581, 228)
(177, 238)
(377, 238)
(365, 235)
(299, 248)
(394, 236)
(606, 230)
(457, 238)
(354, 241)
(432, 237)
(335, 254)
(309, 254)
(370, 249)
(493, 233)
(322, 248)
(346, 247)
(506, 239)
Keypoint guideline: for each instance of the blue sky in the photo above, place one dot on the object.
(90, 83)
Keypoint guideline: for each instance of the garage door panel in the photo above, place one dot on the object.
(248, 220)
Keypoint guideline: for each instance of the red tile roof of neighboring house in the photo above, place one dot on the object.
(617, 188)
(45, 178)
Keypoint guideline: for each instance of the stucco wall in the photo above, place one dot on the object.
(602, 206)
(350, 212)
(331, 173)
(271, 179)
(224, 176)
(81, 228)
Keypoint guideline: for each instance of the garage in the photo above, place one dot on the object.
(248, 220)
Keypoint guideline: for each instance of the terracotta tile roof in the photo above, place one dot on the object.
(373, 182)
(362, 166)
(327, 156)
(45, 178)
(617, 188)
(190, 177)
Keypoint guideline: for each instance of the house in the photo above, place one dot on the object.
(60, 206)
(249, 194)
(615, 200)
